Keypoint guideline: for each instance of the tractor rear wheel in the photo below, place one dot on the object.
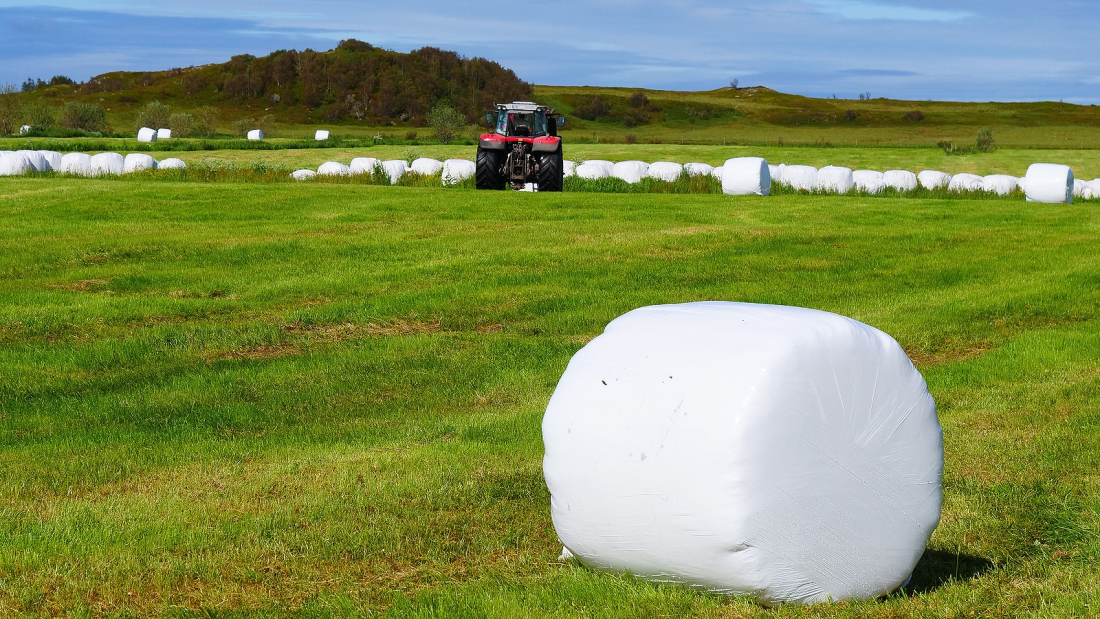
(487, 172)
(551, 172)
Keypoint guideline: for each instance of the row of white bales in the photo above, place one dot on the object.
(743, 175)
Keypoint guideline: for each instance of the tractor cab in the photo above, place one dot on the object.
(523, 119)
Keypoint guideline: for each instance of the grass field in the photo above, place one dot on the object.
(220, 400)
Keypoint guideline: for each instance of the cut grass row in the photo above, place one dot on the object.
(324, 400)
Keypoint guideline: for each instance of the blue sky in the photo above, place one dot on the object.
(1007, 50)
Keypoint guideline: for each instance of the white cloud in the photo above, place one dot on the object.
(853, 9)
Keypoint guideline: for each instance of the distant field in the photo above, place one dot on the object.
(319, 400)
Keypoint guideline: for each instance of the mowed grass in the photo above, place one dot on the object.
(222, 400)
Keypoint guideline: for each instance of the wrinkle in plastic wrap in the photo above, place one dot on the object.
(784, 453)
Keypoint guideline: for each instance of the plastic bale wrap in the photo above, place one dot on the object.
(698, 169)
(568, 168)
(78, 164)
(137, 162)
(52, 157)
(24, 129)
(719, 171)
(395, 169)
(364, 165)
(1093, 189)
(835, 179)
(630, 171)
(933, 179)
(1079, 187)
(1000, 184)
(665, 171)
(107, 163)
(427, 167)
(788, 454)
(901, 180)
(164, 134)
(302, 175)
(321, 135)
(14, 164)
(966, 182)
(172, 163)
(457, 170)
(36, 160)
(801, 177)
(592, 170)
(1049, 183)
(145, 134)
(776, 172)
(333, 168)
(746, 176)
(868, 180)
(255, 134)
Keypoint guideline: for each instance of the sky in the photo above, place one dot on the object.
(986, 50)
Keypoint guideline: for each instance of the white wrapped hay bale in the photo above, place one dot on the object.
(1049, 183)
(835, 179)
(606, 165)
(164, 134)
(568, 168)
(746, 176)
(255, 134)
(784, 453)
(457, 170)
(395, 169)
(1092, 191)
(333, 168)
(302, 175)
(698, 169)
(14, 164)
(934, 179)
(36, 160)
(966, 182)
(718, 171)
(592, 170)
(427, 166)
(145, 134)
(138, 162)
(106, 163)
(901, 180)
(800, 177)
(52, 157)
(630, 171)
(364, 165)
(869, 181)
(321, 135)
(665, 171)
(172, 163)
(78, 164)
(24, 129)
(1078, 187)
(1000, 184)
(776, 172)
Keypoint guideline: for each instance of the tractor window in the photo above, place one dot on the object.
(524, 124)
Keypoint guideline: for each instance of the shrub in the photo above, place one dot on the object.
(446, 122)
(915, 116)
(10, 110)
(205, 119)
(639, 99)
(181, 125)
(592, 109)
(631, 138)
(39, 115)
(266, 123)
(984, 142)
(85, 116)
(154, 115)
(242, 126)
(850, 115)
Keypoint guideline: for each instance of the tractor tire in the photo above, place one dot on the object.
(551, 171)
(487, 172)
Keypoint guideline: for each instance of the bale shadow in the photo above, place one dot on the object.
(937, 568)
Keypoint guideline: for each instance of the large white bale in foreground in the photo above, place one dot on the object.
(665, 171)
(395, 169)
(36, 160)
(333, 168)
(934, 179)
(834, 179)
(137, 162)
(302, 175)
(79, 164)
(630, 171)
(901, 180)
(364, 165)
(869, 181)
(106, 163)
(801, 177)
(255, 134)
(172, 163)
(1000, 184)
(1049, 183)
(784, 453)
(426, 166)
(746, 176)
(698, 169)
(592, 170)
(14, 164)
(321, 135)
(457, 170)
(164, 134)
(966, 182)
(52, 157)
(145, 134)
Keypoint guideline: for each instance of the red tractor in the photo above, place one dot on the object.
(523, 148)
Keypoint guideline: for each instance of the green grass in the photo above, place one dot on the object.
(235, 399)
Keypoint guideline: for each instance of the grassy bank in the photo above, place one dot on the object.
(324, 400)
